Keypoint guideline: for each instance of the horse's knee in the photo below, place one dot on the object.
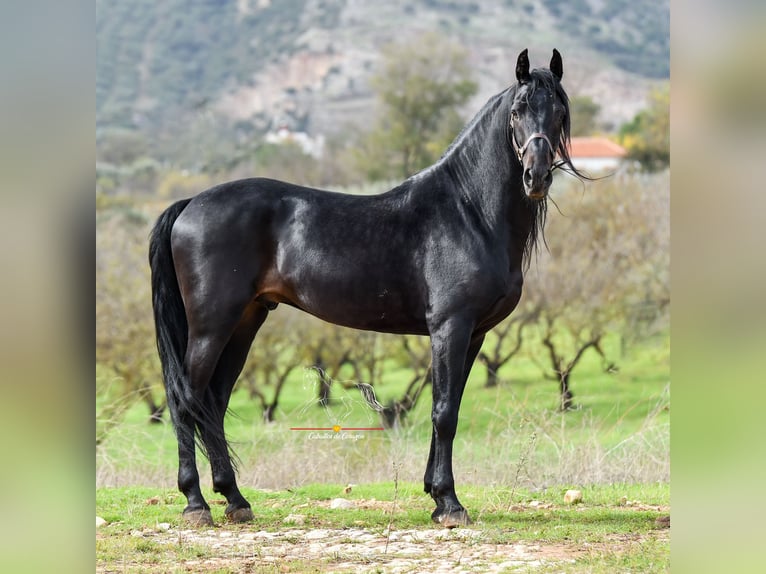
(188, 478)
(444, 423)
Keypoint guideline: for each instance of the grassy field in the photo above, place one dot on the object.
(619, 432)
(615, 529)
(515, 456)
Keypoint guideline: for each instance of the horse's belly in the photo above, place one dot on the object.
(358, 300)
(362, 315)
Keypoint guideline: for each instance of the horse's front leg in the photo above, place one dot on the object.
(473, 352)
(453, 351)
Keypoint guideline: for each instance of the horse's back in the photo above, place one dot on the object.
(351, 260)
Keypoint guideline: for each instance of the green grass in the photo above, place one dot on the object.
(618, 432)
(648, 555)
(515, 456)
(130, 508)
(620, 536)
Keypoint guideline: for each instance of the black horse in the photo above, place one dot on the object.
(442, 255)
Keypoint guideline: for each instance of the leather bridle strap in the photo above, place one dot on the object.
(520, 151)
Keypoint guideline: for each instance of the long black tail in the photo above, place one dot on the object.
(170, 315)
(190, 413)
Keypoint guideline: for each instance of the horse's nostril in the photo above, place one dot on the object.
(527, 176)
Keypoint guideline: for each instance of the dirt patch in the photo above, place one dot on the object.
(361, 550)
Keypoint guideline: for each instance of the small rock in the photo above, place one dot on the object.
(100, 522)
(316, 534)
(262, 534)
(298, 519)
(573, 497)
(152, 500)
(663, 521)
(348, 488)
(342, 503)
(164, 526)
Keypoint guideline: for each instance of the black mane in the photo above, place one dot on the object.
(539, 79)
(544, 78)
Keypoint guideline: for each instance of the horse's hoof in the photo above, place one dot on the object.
(454, 518)
(437, 514)
(239, 515)
(198, 517)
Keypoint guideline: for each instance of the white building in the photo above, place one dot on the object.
(596, 154)
(310, 146)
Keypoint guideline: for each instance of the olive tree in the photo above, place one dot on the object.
(420, 86)
(609, 257)
(124, 325)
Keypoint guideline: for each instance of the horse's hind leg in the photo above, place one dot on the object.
(210, 330)
(201, 358)
(197, 511)
(229, 367)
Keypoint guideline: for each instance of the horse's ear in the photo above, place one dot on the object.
(522, 67)
(557, 66)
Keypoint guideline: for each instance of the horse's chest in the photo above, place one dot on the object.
(480, 282)
(504, 293)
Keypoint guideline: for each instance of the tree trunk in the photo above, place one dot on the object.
(394, 413)
(268, 412)
(323, 394)
(492, 379)
(156, 411)
(566, 394)
(324, 391)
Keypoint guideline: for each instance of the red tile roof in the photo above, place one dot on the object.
(595, 147)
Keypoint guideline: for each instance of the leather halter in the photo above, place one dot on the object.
(520, 151)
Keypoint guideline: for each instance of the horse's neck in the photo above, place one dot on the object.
(484, 171)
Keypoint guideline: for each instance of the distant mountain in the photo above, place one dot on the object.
(306, 62)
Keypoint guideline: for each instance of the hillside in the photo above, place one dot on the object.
(306, 62)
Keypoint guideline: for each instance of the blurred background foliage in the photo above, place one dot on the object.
(163, 133)
(606, 275)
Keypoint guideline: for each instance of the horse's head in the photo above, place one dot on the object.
(538, 123)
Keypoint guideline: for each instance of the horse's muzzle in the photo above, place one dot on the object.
(537, 181)
(538, 169)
